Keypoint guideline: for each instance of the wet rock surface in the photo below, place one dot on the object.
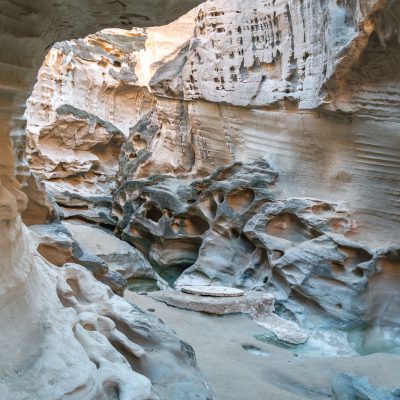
(347, 387)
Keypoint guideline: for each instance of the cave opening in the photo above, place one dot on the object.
(93, 127)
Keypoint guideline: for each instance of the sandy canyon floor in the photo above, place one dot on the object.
(238, 366)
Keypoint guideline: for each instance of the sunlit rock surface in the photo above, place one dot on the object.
(89, 93)
(77, 156)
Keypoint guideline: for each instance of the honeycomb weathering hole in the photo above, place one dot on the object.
(153, 213)
(240, 200)
(321, 209)
(209, 207)
(196, 225)
(290, 227)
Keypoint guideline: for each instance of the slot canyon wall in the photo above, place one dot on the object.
(257, 146)
(251, 155)
(269, 161)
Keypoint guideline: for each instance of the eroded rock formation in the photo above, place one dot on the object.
(237, 131)
(77, 156)
(252, 56)
(62, 331)
(41, 207)
(89, 93)
(120, 257)
(270, 108)
(56, 244)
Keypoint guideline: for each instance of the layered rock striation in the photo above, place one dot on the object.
(260, 165)
(302, 84)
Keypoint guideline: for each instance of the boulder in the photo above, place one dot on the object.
(120, 257)
(56, 244)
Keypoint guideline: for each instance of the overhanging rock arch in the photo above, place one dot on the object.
(29, 29)
(47, 335)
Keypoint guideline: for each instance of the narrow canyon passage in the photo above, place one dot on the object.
(201, 200)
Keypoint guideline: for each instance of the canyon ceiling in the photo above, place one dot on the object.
(252, 144)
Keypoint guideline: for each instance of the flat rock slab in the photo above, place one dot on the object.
(213, 291)
(251, 302)
(284, 330)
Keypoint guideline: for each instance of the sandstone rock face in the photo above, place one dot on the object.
(77, 156)
(383, 302)
(230, 229)
(297, 252)
(26, 44)
(89, 93)
(52, 327)
(72, 146)
(56, 244)
(168, 218)
(96, 75)
(273, 59)
(119, 256)
(270, 108)
(41, 207)
(341, 147)
(296, 54)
